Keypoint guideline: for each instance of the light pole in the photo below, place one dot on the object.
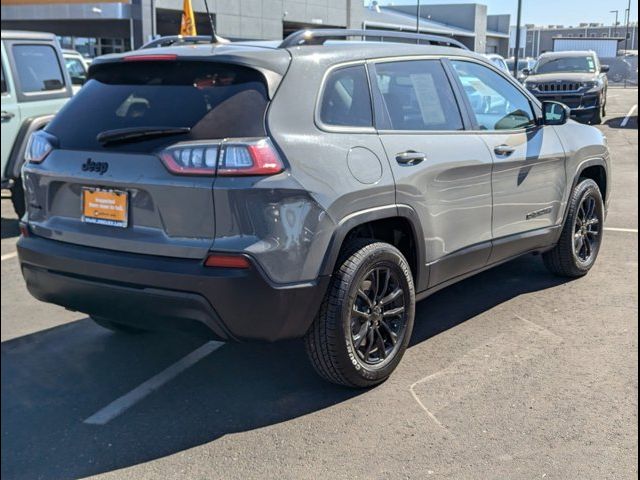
(615, 25)
(626, 30)
(418, 16)
(516, 51)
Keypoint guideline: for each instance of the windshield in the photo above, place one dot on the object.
(522, 64)
(584, 64)
(206, 100)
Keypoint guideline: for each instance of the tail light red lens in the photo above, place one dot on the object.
(191, 159)
(225, 158)
(225, 260)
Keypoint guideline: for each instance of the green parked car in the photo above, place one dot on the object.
(35, 85)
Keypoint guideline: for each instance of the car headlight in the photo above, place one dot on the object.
(531, 85)
(593, 84)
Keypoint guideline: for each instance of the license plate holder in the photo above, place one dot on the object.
(105, 206)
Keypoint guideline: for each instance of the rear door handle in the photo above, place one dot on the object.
(410, 157)
(504, 150)
(6, 116)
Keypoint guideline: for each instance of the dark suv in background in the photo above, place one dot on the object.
(264, 191)
(574, 78)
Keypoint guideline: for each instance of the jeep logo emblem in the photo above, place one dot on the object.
(91, 166)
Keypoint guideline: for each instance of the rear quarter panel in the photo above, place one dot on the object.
(318, 190)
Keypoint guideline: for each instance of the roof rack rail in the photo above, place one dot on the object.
(182, 40)
(320, 35)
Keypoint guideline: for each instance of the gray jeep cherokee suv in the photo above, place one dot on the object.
(305, 189)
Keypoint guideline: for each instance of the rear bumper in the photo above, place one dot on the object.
(168, 293)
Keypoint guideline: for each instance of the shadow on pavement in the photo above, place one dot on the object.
(469, 298)
(54, 379)
(9, 228)
(616, 122)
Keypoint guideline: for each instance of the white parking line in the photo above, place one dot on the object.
(120, 405)
(8, 256)
(626, 119)
(626, 230)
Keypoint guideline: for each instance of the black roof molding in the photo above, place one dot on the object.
(321, 35)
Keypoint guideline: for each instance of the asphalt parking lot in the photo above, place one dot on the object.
(512, 374)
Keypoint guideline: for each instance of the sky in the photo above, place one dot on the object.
(545, 12)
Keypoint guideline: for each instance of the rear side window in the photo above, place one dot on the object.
(346, 100)
(214, 100)
(417, 96)
(38, 68)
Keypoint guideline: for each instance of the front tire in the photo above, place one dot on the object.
(581, 237)
(597, 117)
(365, 322)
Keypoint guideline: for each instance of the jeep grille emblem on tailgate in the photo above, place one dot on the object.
(91, 166)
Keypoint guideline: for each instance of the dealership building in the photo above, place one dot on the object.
(540, 39)
(111, 26)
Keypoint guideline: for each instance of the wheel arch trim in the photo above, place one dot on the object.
(363, 217)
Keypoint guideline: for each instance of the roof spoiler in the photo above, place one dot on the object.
(321, 35)
(170, 40)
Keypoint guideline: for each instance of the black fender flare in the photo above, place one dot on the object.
(16, 157)
(591, 162)
(362, 217)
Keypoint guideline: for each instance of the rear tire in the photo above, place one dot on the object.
(581, 237)
(364, 324)
(17, 198)
(117, 327)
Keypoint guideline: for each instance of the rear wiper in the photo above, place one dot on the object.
(122, 135)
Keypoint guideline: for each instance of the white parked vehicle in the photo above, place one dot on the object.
(498, 61)
(77, 66)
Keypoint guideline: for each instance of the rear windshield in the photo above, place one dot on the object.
(214, 100)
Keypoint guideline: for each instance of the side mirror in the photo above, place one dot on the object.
(526, 72)
(555, 113)
(604, 68)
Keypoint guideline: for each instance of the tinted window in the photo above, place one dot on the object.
(38, 69)
(496, 102)
(346, 100)
(586, 64)
(214, 100)
(418, 96)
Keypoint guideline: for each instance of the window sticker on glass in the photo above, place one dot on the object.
(428, 99)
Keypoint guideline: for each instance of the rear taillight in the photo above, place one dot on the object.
(39, 146)
(191, 159)
(226, 158)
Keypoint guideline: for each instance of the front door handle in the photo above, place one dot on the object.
(410, 157)
(504, 150)
(6, 116)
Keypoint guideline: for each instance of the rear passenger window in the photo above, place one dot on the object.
(346, 100)
(38, 68)
(417, 96)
